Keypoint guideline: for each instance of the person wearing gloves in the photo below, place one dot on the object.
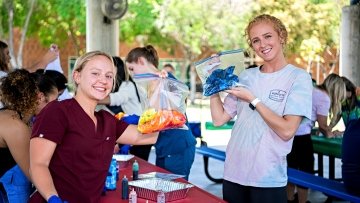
(70, 153)
(175, 148)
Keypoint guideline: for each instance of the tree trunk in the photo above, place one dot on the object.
(23, 34)
(10, 8)
(16, 61)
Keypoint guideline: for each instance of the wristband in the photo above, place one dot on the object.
(253, 103)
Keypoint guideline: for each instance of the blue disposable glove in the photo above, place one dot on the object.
(56, 199)
(125, 149)
(131, 119)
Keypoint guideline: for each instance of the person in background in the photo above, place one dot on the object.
(326, 101)
(175, 148)
(23, 96)
(59, 79)
(350, 152)
(19, 96)
(4, 59)
(169, 68)
(48, 90)
(76, 145)
(125, 98)
(50, 65)
(58, 76)
(330, 95)
(51, 55)
(268, 113)
(350, 109)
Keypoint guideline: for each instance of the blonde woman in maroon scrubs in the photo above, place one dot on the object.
(72, 145)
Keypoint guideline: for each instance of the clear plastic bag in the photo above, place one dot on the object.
(220, 72)
(163, 104)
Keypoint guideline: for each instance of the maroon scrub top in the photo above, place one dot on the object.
(83, 153)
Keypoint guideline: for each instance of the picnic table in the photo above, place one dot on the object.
(330, 147)
(195, 194)
(323, 146)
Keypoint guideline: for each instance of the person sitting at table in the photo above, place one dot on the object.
(350, 157)
(326, 98)
(70, 153)
(350, 109)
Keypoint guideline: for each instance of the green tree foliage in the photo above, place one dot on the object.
(202, 25)
(20, 7)
(15, 11)
(138, 24)
(52, 21)
(313, 25)
(194, 26)
(56, 21)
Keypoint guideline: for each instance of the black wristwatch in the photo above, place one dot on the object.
(253, 103)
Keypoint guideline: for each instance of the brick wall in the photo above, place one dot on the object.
(33, 50)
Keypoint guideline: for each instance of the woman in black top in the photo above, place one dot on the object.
(23, 95)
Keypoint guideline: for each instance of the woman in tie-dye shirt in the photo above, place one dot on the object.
(269, 110)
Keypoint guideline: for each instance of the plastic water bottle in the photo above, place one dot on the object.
(135, 170)
(110, 182)
(125, 188)
(160, 197)
(133, 196)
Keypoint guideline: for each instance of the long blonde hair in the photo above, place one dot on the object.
(335, 86)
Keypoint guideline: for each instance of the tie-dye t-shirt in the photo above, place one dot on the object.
(256, 155)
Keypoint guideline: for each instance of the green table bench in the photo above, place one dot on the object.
(330, 147)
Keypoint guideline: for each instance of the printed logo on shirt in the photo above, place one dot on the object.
(277, 95)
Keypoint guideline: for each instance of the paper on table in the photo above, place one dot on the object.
(166, 176)
(123, 157)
